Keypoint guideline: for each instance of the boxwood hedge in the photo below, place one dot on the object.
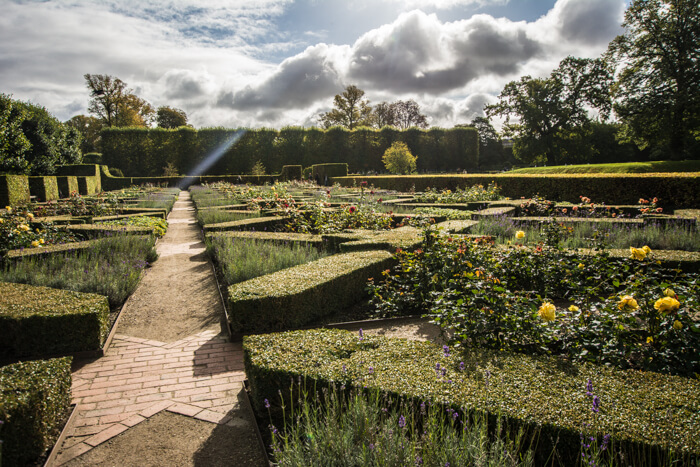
(297, 296)
(34, 400)
(658, 413)
(40, 321)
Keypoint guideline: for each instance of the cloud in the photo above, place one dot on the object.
(298, 82)
(592, 22)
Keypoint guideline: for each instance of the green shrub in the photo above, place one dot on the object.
(39, 321)
(645, 413)
(14, 190)
(66, 185)
(157, 224)
(34, 401)
(323, 172)
(399, 160)
(296, 296)
(43, 188)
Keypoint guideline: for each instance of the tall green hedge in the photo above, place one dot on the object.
(14, 190)
(44, 188)
(146, 151)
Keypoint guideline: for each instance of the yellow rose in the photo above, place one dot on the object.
(41, 240)
(669, 293)
(628, 303)
(2, 220)
(573, 308)
(581, 265)
(638, 253)
(677, 325)
(24, 227)
(519, 234)
(650, 340)
(30, 215)
(666, 304)
(547, 311)
(35, 244)
(8, 209)
(646, 249)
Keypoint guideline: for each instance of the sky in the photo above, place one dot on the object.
(274, 63)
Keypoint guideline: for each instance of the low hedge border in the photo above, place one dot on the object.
(315, 240)
(457, 226)
(296, 296)
(34, 400)
(257, 224)
(92, 231)
(675, 190)
(405, 238)
(49, 249)
(41, 321)
(650, 410)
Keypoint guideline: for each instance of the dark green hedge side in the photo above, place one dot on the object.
(14, 190)
(34, 400)
(290, 172)
(297, 296)
(674, 190)
(43, 188)
(79, 170)
(67, 185)
(648, 412)
(40, 321)
(144, 151)
(322, 173)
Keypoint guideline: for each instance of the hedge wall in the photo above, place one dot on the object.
(674, 190)
(14, 190)
(43, 188)
(34, 400)
(647, 413)
(66, 185)
(146, 151)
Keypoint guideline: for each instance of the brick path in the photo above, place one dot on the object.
(198, 376)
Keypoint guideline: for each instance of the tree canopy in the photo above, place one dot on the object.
(169, 117)
(350, 110)
(657, 91)
(548, 117)
(115, 104)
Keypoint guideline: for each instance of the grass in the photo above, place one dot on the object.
(622, 167)
(243, 259)
(113, 268)
(582, 235)
(216, 216)
(366, 429)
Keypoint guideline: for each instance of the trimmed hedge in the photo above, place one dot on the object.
(299, 295)
(34, 401)
(145, 151)
(307, 239)
(91, 231)
(66, 185)
(674, 190)
(290, 172)
(322, 173)
(256, 223)
(658, 413)
(14, 190)
(43, 188)
(40, 321)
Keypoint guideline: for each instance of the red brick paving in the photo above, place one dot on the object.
(198, 376)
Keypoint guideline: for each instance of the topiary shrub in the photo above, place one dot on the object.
(399, 160)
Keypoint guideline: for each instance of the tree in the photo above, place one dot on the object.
(398, 159)
(32, 141)
(657, 90)
(13, 143)
(89, 128)
(115, 104)
(168, 117)
(551, 114)
(384, 114)
(407, 114)
(350, 110)
(491, 152)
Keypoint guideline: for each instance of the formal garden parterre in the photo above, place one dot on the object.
(571, 325)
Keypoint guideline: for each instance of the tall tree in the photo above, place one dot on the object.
(384, 114)
(548, 117)
(350, 110)
(169, 117)
(407, 114)
(491, 152)
(657, 91)
(115, 104)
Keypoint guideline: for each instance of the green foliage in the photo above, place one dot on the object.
(159, 225)
(14, 190)
(350, 110)
(305, 292)
(241, 259)
(19, 228)
(43, 188)
(40, 321)
(168, 117)
(369, 429)
(656, 91)
(34, 401)
(116, 105)
(487, 297)
(552, 113)
(258, 168)
(144, 152)
(46, 142)
(399, 160)
(628, 167)
(537, 393)
(467, 195)
(217, 216)
(112, 267)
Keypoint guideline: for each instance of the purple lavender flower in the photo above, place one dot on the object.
(461, 366)
(446, 350)
(267, 404)
(596, 404)
(589, 388)
(371, 370)
(402, 422)
(361, 336)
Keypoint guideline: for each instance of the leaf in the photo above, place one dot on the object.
(616, 283)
